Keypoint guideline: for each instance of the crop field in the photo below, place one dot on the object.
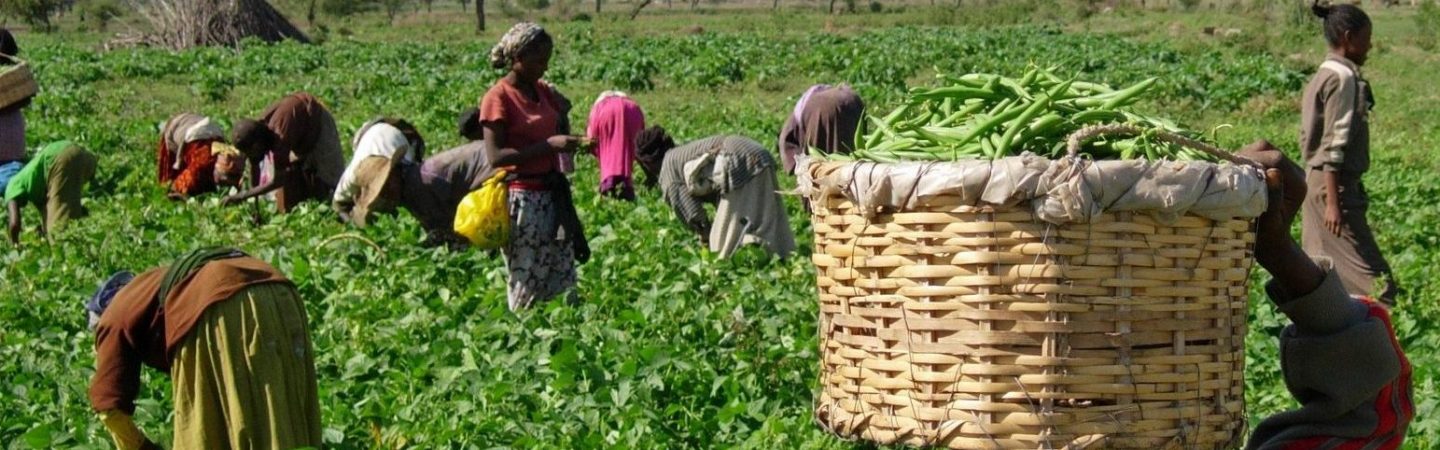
(670, 346)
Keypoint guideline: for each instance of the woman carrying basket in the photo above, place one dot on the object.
(520, 116)
(1341, 358)
(386, 138)
(12, 118)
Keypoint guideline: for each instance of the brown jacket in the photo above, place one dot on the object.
(1335, 119)
(137, 329)
(827, 120)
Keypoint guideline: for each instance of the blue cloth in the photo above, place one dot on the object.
(95, 305)
(7, 171)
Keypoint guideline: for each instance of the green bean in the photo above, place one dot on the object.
(1030, 114)
(962, 92)
(1128, 95)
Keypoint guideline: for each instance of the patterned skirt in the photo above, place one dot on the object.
(539, 256)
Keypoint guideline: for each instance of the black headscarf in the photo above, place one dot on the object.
(650, 147)
(8, 46)
(652, 143)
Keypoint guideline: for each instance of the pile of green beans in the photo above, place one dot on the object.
(988, 116)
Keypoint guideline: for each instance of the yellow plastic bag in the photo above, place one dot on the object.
(483, 216)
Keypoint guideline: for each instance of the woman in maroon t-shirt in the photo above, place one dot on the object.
(520, 118)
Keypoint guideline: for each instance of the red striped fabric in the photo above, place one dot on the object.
(1393, 405)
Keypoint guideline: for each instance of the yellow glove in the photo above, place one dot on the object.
(122, 428)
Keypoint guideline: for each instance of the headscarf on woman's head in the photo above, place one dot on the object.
(8, 46)
(96, 305)
(513, 42)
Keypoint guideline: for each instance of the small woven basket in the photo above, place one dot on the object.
(17, 82)
(973, 327)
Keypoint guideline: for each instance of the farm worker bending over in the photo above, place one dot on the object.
(190, 146)
(230, 331)
(12, 119)
(734, 172)
(54, 181)
(296, 136)
(1335, 142)
(431, 190)
(520, 117)
(1341, 359)
(614, 122)
(386, 138)
(825, 118)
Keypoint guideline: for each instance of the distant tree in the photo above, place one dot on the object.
(639, 6)
(428, 5)
(393, 8)
(464, 5)
(36, 13)
(101, 12)
(181, 24)
(480, 16)
(343, 8)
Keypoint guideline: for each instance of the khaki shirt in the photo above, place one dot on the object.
(1334, 119)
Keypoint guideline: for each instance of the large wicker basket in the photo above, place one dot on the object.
(16, 81)
(979, 327)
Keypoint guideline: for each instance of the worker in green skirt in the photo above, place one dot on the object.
(230, 331)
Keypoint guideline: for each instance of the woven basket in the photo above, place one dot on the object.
(982, 327)
(16, 82)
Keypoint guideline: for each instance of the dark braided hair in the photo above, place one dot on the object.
(1340, 19)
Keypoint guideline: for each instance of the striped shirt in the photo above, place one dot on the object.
(745, 160)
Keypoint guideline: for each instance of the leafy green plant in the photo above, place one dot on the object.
(1427, 25)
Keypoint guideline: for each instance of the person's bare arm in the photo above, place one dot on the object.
(1332, 202)
(14, 207)
(282, 170)
(1275, 249)
(499, 155)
